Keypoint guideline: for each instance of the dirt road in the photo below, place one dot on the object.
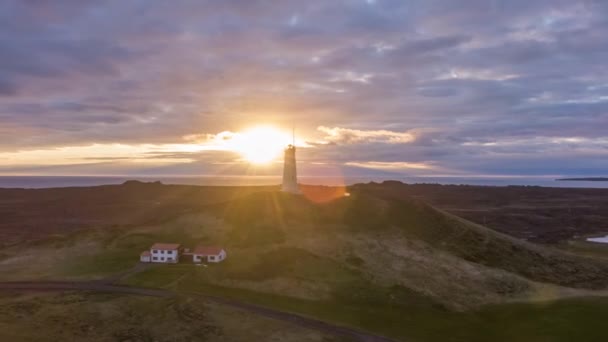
(30, 286)
(96, 286)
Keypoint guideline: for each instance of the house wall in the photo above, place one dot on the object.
(144, 258)
(217, 258)
(164, 256)
(209, 258)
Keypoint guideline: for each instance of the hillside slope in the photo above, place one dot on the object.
(33, 214)
(395, 266)
(406, 242)
(363, 247)
(538, 214)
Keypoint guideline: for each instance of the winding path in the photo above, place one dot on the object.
(101, 286)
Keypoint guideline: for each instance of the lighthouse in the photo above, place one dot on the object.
(290, 176)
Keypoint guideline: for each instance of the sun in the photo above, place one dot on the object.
(260, 145)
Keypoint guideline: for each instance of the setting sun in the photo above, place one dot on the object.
(261, 144)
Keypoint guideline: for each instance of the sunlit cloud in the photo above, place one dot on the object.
(351, 76)
(71, 155)
(544, 143)
(352, 136)
(477, 88)
(390, 165)
(481, 74)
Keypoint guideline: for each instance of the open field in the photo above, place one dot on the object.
(545, 215)
(420, 319)
(315, 254)
(31, 214)
(582, 247)
(105, 317)
(390, 265)
(99, 252)
(563, 320)
(538, 214)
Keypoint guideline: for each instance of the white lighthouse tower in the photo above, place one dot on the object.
(290, 176)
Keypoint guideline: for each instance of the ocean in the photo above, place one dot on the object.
(37, 182)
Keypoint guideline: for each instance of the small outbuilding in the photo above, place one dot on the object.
(208, 254)
(145, 256)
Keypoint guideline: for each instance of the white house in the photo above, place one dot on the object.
(167, 253)
(144, 256)
(209, 254)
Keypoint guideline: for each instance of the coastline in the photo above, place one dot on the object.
(42, 182)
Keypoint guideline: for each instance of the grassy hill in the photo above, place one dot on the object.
(395, 266)
(35, 214)
(267, 215)
(538, 214)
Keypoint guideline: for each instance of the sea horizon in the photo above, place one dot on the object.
(41, 182)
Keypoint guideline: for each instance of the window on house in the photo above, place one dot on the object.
(155, 251)
(154, 258)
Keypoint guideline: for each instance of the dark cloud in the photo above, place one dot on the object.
(485, 86)
(7, 88)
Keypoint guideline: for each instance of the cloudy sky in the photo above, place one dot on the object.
(384, 87)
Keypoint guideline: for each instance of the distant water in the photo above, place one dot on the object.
(70, 181)
(603, 239)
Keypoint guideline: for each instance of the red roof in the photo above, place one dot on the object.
(165, 246)
(207, 250)
(145, 253)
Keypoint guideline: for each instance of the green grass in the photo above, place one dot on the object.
(352, 297)
(160, 275)
(402, 314)
(478, 244)
(119, 250)
(104, 317)
(282, 261)
(352, 294)
(364, 212)
(585, 248)
(565, 320)
(392, 311)
(101, 264)
(381, 319)
(581, 319)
